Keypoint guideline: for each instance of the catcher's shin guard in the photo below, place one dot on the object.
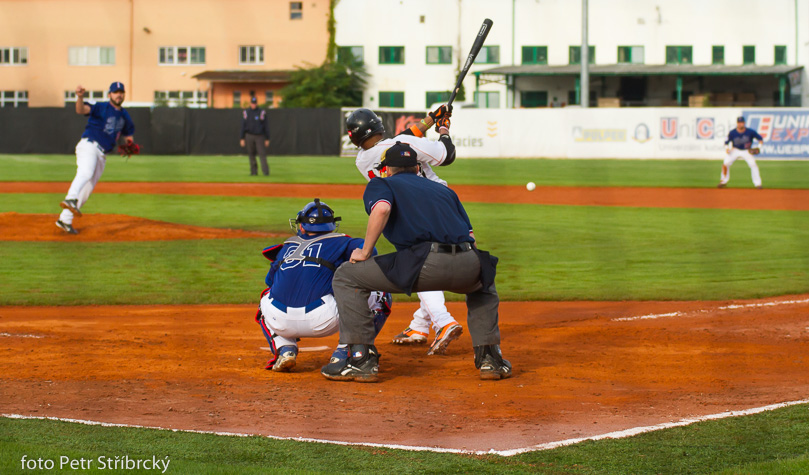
(269, 336)
(383, 311)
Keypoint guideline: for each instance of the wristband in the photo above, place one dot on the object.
(422, 121)
(416, 131)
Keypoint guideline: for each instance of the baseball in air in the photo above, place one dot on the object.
(531, 186)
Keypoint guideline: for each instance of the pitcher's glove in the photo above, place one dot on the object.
(441, 112)
(128, 149)
(755, 151)
(442, 122)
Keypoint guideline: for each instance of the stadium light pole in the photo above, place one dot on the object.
(584, 90)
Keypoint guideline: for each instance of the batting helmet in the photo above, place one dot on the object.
(362, 124)
(315, 217)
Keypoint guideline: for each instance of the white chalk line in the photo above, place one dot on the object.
(724, 307)
(505, 453)
(18, 335)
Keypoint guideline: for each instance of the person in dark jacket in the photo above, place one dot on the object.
(256, 136)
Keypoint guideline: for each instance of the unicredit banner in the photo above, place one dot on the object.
(635, 133)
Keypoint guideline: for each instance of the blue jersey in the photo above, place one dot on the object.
(421, 210)
(744, 140)
(106, 124)
(299, 283)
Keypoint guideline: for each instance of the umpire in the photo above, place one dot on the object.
(256, 135)
(433, 237)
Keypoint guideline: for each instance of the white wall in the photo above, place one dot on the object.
(557, 24)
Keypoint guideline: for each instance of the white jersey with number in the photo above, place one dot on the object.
(430, 153)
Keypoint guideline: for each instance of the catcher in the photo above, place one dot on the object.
(298, 302)
(107, 122)
(740, 140)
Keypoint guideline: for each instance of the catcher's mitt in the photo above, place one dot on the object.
(755, 151)
(128, 149)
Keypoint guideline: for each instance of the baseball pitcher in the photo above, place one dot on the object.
(298, 302)
(106, 123)
(366, 131)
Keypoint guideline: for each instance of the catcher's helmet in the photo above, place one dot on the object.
(315, 217)
(362, 124)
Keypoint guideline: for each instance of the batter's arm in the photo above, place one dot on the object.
(376, 223)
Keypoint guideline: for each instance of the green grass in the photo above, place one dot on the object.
(546, 252)
(230, 169)
(772, 442)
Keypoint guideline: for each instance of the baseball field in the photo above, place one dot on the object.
(656, 324)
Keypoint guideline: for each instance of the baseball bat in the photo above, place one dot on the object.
(473, 53)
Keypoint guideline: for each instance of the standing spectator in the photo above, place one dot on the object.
(256, 135)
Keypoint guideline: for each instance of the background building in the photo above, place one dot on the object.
(179, 52)
(728, 52)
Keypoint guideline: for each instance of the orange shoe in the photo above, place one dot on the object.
(410, 336)
(443, 337)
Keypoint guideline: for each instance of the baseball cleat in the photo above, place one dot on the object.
(66, 227)
(410, 336)
(362, 366)
(494, 368)
(721, 185)
(72, 205)
(443, 337)
(287, 356)
(759, 187)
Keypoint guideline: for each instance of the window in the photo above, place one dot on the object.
(574, 55)
(269, 98)
(780, 55)
(534, 55)
(487, 100)
(14, 99)
(350, 54)
(194, 99)
(237, 98)
(95, 96)
(678, 55)
(748, 55)
(435, 97)
(630, 55)
(391, 55)
(534, 98)
(91, 56)
(13, 56)
(439, 55)
(251, 55)
(295, 10)
(391, 99)
(488, 55)
(718, 55)
(181, 55)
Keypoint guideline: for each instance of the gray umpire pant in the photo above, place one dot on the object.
(458, 273)
(256, 143)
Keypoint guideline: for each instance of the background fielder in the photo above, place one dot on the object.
(741, 146)
(366, 131)
(107, 122)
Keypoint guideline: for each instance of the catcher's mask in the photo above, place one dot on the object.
(363, 124)
(315, 217)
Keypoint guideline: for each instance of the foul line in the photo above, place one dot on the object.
(505, 453)
(17, 335)
(725, 307)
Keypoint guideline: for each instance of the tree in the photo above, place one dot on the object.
(332, 84)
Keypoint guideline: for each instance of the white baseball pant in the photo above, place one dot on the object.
(734, 155)
(432, 308)
(287, 326)
(90, 162)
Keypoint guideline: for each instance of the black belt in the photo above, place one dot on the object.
(450, 248)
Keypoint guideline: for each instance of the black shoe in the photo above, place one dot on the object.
(489, 359)
(72, 205)
(362, 365)
(66, 227)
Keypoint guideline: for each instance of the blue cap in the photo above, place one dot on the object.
(740, 118)
(117, 86)
(254, 100)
